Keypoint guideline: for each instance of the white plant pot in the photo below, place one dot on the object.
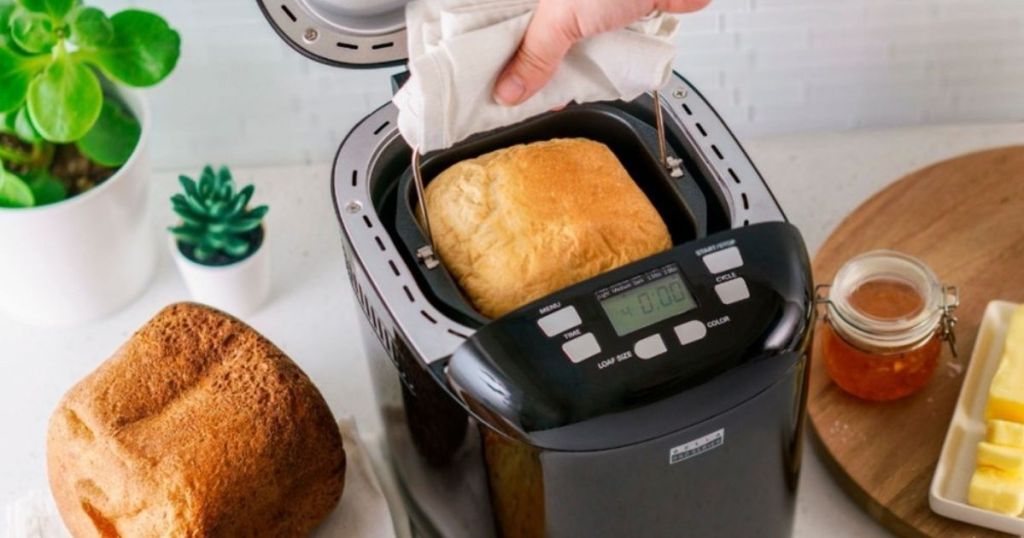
(238, 289)
(85, 257)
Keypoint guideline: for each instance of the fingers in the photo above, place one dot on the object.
(551, 33)
(549, 37)
(682, 6)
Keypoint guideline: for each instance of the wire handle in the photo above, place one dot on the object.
(426, 252)
(672, 164)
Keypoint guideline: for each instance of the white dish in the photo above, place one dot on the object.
(948, 493)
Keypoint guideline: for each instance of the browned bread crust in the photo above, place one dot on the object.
(198, 426)
(522, 222)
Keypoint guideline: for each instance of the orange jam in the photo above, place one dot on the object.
(876, 374)
(885, 298)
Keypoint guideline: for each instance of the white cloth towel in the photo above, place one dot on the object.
(457, 49)
(362, 513)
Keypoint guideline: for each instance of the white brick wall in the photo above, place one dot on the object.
(241, 96)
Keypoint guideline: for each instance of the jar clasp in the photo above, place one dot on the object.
(950, 301)
(821, 294)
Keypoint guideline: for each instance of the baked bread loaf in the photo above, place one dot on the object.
(519, 223)
(198, 426)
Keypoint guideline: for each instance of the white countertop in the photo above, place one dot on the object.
(311, 315)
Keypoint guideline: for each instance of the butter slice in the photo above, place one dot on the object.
(1006, 394)
(996, 491)
(1001, 432)
(1004, 458)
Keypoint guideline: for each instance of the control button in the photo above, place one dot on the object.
(650, 347)
(691, 331)
(732, 291)
(581, 348)
(723, 260)
(559, 322)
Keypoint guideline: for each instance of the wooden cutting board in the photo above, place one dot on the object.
(965, 218)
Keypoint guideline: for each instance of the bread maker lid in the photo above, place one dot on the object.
(344, 33)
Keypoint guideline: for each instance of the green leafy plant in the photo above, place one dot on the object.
(58, 60)
(217, 226)
(13, 191)
(38, 188)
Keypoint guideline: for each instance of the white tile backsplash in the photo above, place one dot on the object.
(243, 97)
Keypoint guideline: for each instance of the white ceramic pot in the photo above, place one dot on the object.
(238, 289)
(86, 257)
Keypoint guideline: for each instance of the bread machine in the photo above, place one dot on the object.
(663, 398)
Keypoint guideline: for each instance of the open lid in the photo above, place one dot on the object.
(345, 33)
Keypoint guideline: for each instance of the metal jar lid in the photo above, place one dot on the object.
(344, 33)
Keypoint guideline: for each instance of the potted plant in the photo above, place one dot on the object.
(73, 166)
(220, 245)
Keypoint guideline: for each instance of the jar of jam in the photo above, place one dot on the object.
(887, 315)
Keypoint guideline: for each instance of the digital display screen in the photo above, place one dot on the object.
(646, 299)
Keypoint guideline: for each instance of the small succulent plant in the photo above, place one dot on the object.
(217, 226)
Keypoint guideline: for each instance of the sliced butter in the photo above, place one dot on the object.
(1004, 458)
(1006, 394)
(1005, 433)
(996, 491)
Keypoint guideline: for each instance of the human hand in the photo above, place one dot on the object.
(557, 25)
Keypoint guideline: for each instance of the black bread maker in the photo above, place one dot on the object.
(664, 398)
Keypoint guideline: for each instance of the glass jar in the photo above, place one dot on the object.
(887, 315)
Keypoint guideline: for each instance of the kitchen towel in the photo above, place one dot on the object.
(457, 49)
(363, 510)
(362, 513)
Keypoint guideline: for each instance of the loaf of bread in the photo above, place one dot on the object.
(198, 426)
(520, 223)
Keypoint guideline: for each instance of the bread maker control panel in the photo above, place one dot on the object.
(648, 312)
(641, 332)
(646, 299)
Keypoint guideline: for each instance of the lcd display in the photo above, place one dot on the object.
(645, 304)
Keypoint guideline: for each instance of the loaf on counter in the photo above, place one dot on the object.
(197, 426)
(522, 222)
